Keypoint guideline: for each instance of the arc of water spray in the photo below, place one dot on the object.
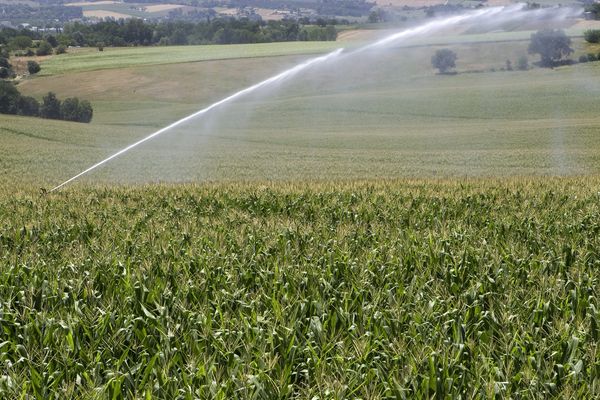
(430, 26)
(273, 79)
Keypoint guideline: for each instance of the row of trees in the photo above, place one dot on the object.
(136, 32)
(71, 109)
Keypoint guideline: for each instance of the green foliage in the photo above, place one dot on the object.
(444, 60)
(33, 67)
(593, 9)
(137, 32)
(60, 49)
(592, 35)
(411, 289)
(583, 58)
(21, 42)
(592, 57)
(52, 40)
(9, 97)
(50, 107)
(72, 109)
(5, 63)
(551, 44)
(28, 106)
(44, 49)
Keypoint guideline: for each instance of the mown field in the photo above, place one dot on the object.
(398, 289)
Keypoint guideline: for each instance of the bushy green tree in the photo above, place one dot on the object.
(52, 40)
(33, 67)
(28, 106)
(21, 42)
(72, 109)
(9, 98)
(85, 111)
(50, 107)
(44, 49)
(592, 35)
(444, 60)
(69, 109)
(551, 44)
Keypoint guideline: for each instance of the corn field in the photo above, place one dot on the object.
(371, 290)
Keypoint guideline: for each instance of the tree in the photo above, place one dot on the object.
(444, 60)
(85, 111)
(50, 107)
(72, 109)
(592, 35)
(4, 73)
(523, 63)
(61, 49)
(9, 98)
(44, 49)
(69, 109)
(551, 44)
(21, 42)
(52, 40)
(28, 106)
(33, 67)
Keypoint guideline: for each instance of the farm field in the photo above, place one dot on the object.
(368, 229)
(385, 115)
(397, 289)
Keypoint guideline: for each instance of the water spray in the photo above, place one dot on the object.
(500, 14)
(266, 82)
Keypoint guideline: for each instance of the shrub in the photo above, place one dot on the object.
(592, 57)
(592, 35)
(33, 67)
(4, 63)
(583, 58)
(61, 49)
(44, 49)
(4, 72)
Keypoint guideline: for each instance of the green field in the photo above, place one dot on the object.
(382, 114)
(368, 229)
(406, 289)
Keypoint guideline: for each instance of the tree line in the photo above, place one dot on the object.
(136, 32)
(71, 109)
